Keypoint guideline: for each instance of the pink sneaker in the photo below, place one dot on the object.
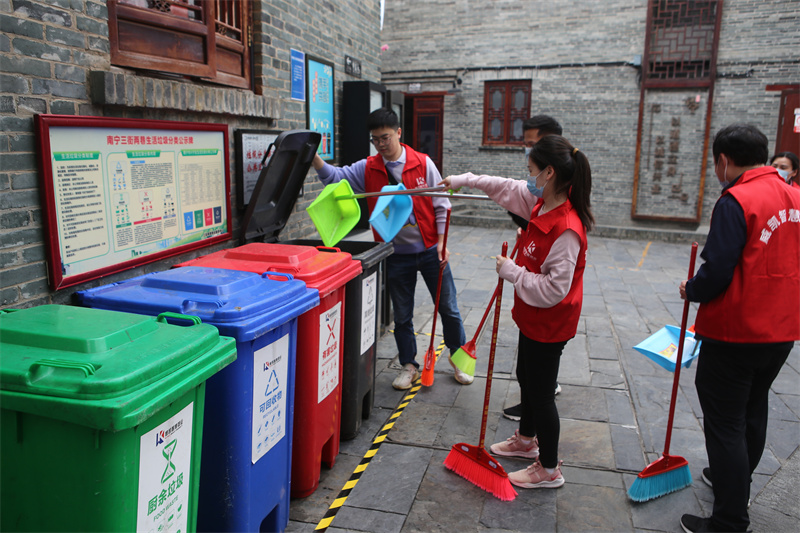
(514, 447)
(536, 477)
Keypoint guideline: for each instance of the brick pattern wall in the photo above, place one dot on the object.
(579, 55)
(54, 58)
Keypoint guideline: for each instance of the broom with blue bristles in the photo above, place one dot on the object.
(669, 473)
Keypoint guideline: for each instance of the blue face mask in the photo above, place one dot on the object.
(536, 191)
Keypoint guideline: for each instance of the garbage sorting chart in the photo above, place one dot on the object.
(120, 196)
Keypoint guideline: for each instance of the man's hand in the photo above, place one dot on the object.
(682, 290)
(444, 253)
(317, 163)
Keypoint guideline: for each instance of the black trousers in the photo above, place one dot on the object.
(733, 382)
(537, 372)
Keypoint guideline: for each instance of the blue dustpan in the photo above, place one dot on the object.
(662, 347)
(391, 212)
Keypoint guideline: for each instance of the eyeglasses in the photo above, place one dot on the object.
(383, 139)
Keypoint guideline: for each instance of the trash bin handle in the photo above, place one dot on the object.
(195, 320)
(270, 275)
(267, 153)
(328, 249)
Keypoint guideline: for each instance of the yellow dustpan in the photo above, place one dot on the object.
(334, 216)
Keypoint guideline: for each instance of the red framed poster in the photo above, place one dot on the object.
(118, 193)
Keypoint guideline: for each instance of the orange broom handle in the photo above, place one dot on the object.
(677, 378)
(490, 369)
(429, 360)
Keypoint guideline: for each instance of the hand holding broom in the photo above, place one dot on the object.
(464, 358)
(430, 355)
(668, 473)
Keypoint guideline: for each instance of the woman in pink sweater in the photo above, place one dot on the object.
(548, 290)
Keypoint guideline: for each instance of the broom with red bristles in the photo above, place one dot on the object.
(464, 358)
(668, 473)
(474, 463)
(430, 355)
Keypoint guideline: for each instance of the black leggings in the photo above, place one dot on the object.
(537, 373)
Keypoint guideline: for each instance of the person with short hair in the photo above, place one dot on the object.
(418, 246)
(547, 275)
(748, 319)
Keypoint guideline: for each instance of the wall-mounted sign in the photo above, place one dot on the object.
(414, 87)
(352, 66)
(298, 75)
(119, 193)
(319, 103)
(251, 156)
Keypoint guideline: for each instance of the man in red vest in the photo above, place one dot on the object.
(418, 246)
(748, 319)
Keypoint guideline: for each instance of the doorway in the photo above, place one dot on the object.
(424, 125)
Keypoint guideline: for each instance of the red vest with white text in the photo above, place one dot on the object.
(560, 322)
(762, 302)
(414, 175)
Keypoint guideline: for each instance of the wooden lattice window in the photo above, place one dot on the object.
(506, 105)
(680, 45)
(208, 39)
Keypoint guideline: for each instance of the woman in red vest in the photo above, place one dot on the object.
(548, 290)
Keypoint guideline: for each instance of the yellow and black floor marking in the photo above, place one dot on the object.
(376, 444)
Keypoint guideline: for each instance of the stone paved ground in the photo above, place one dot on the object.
(613, 408)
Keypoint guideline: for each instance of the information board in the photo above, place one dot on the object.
(319, 103)
(119, 193)
(251, 150)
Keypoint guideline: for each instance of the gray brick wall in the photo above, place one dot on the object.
(576, 54)
(54, 58)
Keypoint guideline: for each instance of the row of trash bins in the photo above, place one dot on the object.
(197, 398)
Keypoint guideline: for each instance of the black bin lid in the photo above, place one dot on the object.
(279, 184)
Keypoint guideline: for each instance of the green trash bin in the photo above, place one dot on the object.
(101, 416)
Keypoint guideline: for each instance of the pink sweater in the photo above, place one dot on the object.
(552, 285)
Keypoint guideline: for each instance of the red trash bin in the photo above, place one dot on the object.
(318, 393)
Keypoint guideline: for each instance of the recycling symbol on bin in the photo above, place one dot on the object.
(272, 387)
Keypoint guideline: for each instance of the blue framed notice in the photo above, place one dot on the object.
(319, 103)
(298, 75)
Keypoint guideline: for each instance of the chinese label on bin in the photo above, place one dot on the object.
(329, 325)
(270, 374)
(368, 307)
(165, 460)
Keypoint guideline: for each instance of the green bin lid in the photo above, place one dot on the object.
(103, 369)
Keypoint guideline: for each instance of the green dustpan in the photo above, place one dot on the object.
(333, 216)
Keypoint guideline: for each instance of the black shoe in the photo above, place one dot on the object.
(514, 412)
(707, 476)
(691, 523)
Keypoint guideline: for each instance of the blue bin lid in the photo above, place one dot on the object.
(242, 305)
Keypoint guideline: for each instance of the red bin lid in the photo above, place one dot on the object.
(324, 269)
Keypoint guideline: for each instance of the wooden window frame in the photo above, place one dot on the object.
(204, 49)
(508, 114)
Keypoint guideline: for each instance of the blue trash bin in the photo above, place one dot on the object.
(247, 437)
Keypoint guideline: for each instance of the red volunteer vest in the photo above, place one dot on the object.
(762, 303)
(414, 173)
(560, 322)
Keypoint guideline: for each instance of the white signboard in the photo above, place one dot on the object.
(329, 347)
(270, 375)
(165, 461)
(369, 287)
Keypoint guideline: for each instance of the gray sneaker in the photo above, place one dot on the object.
(406, 377)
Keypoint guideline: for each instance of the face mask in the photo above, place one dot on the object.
(536, 191)
(784, 174)
(724, 181)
